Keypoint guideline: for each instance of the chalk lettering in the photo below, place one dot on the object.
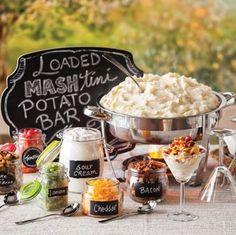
(71, 114)
(55, 65)
(84, 98)
(44, 121)
(61, 86)
(41, 105)
(153, 190)
(90, 79)
(32, 87)
(84, 60)
(6, 179)
(84, 169)
(26, 105)
(74, 61)
(48, 87)
(104, 208)
(59, 118)
(95, 59)
(64, 101)
(55, 192)
(40, 70)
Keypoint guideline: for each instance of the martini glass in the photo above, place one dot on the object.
(183, 169)
(221, 178)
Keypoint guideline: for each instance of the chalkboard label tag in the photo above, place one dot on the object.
(144, 190)
(53, 192)
(104, 208)
(84, 169)
(30, 156)
(6, 180)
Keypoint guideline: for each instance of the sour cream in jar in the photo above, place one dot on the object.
(82, 153)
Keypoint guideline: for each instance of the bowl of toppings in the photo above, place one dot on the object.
(168, 106)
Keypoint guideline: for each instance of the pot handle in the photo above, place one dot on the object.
(95, 112)
(229, 96)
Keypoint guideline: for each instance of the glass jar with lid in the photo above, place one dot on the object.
(102, 198)
(52, 182)
(147, 181)
(29, 144)
(82, 153)
(10, 172)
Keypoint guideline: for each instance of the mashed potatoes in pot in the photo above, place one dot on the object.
(166, 96)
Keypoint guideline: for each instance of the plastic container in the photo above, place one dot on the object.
(82, 153)
(102, 198)
(29, 144)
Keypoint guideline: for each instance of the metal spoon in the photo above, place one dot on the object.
(10, 199)
(68, 211)
(146, 208)
(121, 67)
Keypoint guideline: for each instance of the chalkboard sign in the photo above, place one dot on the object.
(49, 89)
(100, 208)
(84, 169)
(55, 192)
(144, 190)
(6, 179)
(29, 157)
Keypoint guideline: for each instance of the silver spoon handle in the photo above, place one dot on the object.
(117, 217)
(2, 205)
(34, 219)
(121, 67)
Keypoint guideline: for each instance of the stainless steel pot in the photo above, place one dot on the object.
(159, 130)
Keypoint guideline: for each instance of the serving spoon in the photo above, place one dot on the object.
(68, 211)
(146, 208)
(10, 199)
(121, 68)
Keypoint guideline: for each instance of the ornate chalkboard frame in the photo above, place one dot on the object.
(76, 76)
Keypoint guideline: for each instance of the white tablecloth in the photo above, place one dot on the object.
(218, 218)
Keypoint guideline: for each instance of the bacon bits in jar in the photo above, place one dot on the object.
(82, 153)
(10, 172)
(30, 144)
(147, 181)
(103, 198)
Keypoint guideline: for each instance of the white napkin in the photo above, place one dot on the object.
(231, 143)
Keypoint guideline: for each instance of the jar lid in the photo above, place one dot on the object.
(81, 134)
(49, 154)
(30, 190)
(28, 133)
